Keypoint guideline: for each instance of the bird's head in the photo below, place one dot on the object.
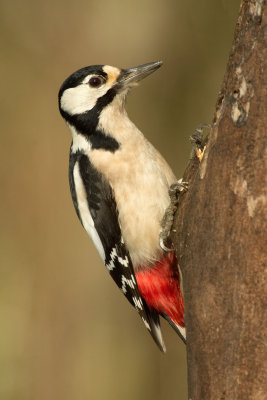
(85, 93)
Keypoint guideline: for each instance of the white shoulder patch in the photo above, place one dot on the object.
(84, 211)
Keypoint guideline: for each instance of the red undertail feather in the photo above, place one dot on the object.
(160, 287)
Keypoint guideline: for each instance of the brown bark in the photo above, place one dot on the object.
(221, 229)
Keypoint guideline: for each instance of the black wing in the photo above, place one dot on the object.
(103, 211)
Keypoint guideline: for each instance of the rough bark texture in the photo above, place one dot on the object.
(221, 230)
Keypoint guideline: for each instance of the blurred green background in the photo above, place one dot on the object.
(66, 330)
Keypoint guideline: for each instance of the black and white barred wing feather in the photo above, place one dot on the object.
(96, 208)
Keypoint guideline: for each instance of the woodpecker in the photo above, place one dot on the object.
(119, 186)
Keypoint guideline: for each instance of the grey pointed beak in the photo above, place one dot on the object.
(129, 77)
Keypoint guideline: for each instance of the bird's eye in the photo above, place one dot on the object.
(96, 81)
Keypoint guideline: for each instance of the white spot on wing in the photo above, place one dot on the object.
(84, 211)
(130, 282)
(137, 303)
(113, 255)
(146, 324)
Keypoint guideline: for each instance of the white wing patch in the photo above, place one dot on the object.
(137, 303)
(146, 324)
(85, 215)
(130, 282)
(113, 255)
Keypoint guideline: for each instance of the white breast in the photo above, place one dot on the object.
(140, 178)
(141, 191)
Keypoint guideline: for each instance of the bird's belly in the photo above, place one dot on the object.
(141, 206)
(140, 184)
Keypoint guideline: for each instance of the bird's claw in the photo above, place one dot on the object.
(197, 137)
(198, 141)
(162, 238)
(175, 189)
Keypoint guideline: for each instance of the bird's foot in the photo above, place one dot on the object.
(174, 191)
(198, 141)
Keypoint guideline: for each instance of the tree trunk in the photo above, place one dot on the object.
(221, 229)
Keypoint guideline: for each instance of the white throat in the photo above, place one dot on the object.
(114, 119)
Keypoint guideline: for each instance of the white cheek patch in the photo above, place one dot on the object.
(82, 98)
(84, 211)
(78, 100)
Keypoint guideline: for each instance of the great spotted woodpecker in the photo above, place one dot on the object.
(119, 185)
